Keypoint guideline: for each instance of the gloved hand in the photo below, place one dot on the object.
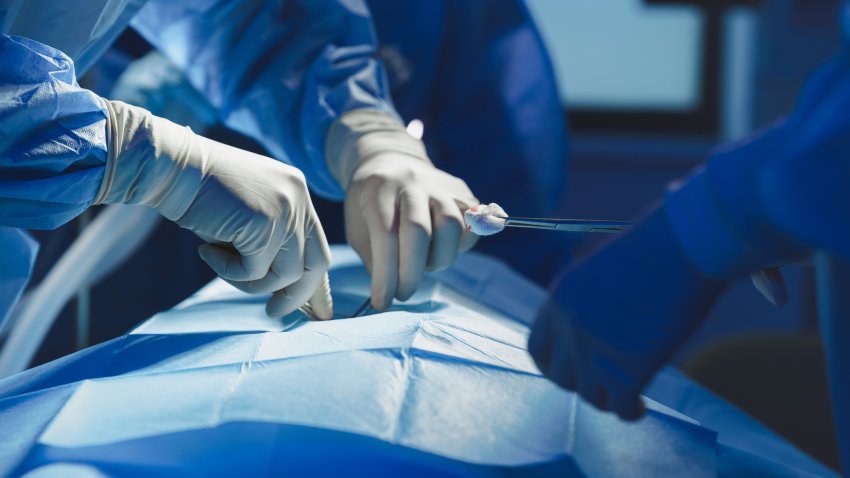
(402, 215)
(615, 318)
(771, 284)
(255, 213)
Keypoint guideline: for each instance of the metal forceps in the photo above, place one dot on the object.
(568, 225)
(363, 308)
(564, 225)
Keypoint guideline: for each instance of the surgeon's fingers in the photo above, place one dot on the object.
(591, 391)
(321, 302)
(286, 268)
(771, 284)
(414, 240)
(356, 232)
(317, 256)
(447, 222)
(571, 360)
(468, 239)
(463, 197)
(464, 200)
(234, 266)
(380, 211)
(295, 295)
(628, 406)
(561, 368)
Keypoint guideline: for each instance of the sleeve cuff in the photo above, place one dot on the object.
(718, 221)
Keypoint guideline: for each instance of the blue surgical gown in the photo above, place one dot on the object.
(53, 142)
(777, 194)
(52, 152)
(774, 197)
(279, 72)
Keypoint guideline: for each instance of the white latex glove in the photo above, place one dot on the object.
(254, 212)
(403, 216)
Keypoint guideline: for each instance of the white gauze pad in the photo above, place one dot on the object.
(485, 219)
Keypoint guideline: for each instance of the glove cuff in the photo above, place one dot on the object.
(150, 161)
(364, 133)
(114, 140)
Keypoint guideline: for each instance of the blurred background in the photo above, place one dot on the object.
(649, 87)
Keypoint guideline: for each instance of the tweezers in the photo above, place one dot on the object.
(308, 311)
(363, 308)
(568, 225)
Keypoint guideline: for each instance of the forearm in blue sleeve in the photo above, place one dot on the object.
(280, 72)
(778, 194)
(52, 137)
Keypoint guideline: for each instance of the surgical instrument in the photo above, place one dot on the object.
(568, 225)
(363, 308)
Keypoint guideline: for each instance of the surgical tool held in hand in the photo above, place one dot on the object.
(568, 225)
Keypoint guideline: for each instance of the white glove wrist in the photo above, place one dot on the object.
(362, 134)
(147, 159)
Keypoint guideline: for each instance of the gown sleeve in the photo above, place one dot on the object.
(52, 137)
(777, 194)
(280, 72)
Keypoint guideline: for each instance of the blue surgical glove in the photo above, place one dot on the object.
(613, 319)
